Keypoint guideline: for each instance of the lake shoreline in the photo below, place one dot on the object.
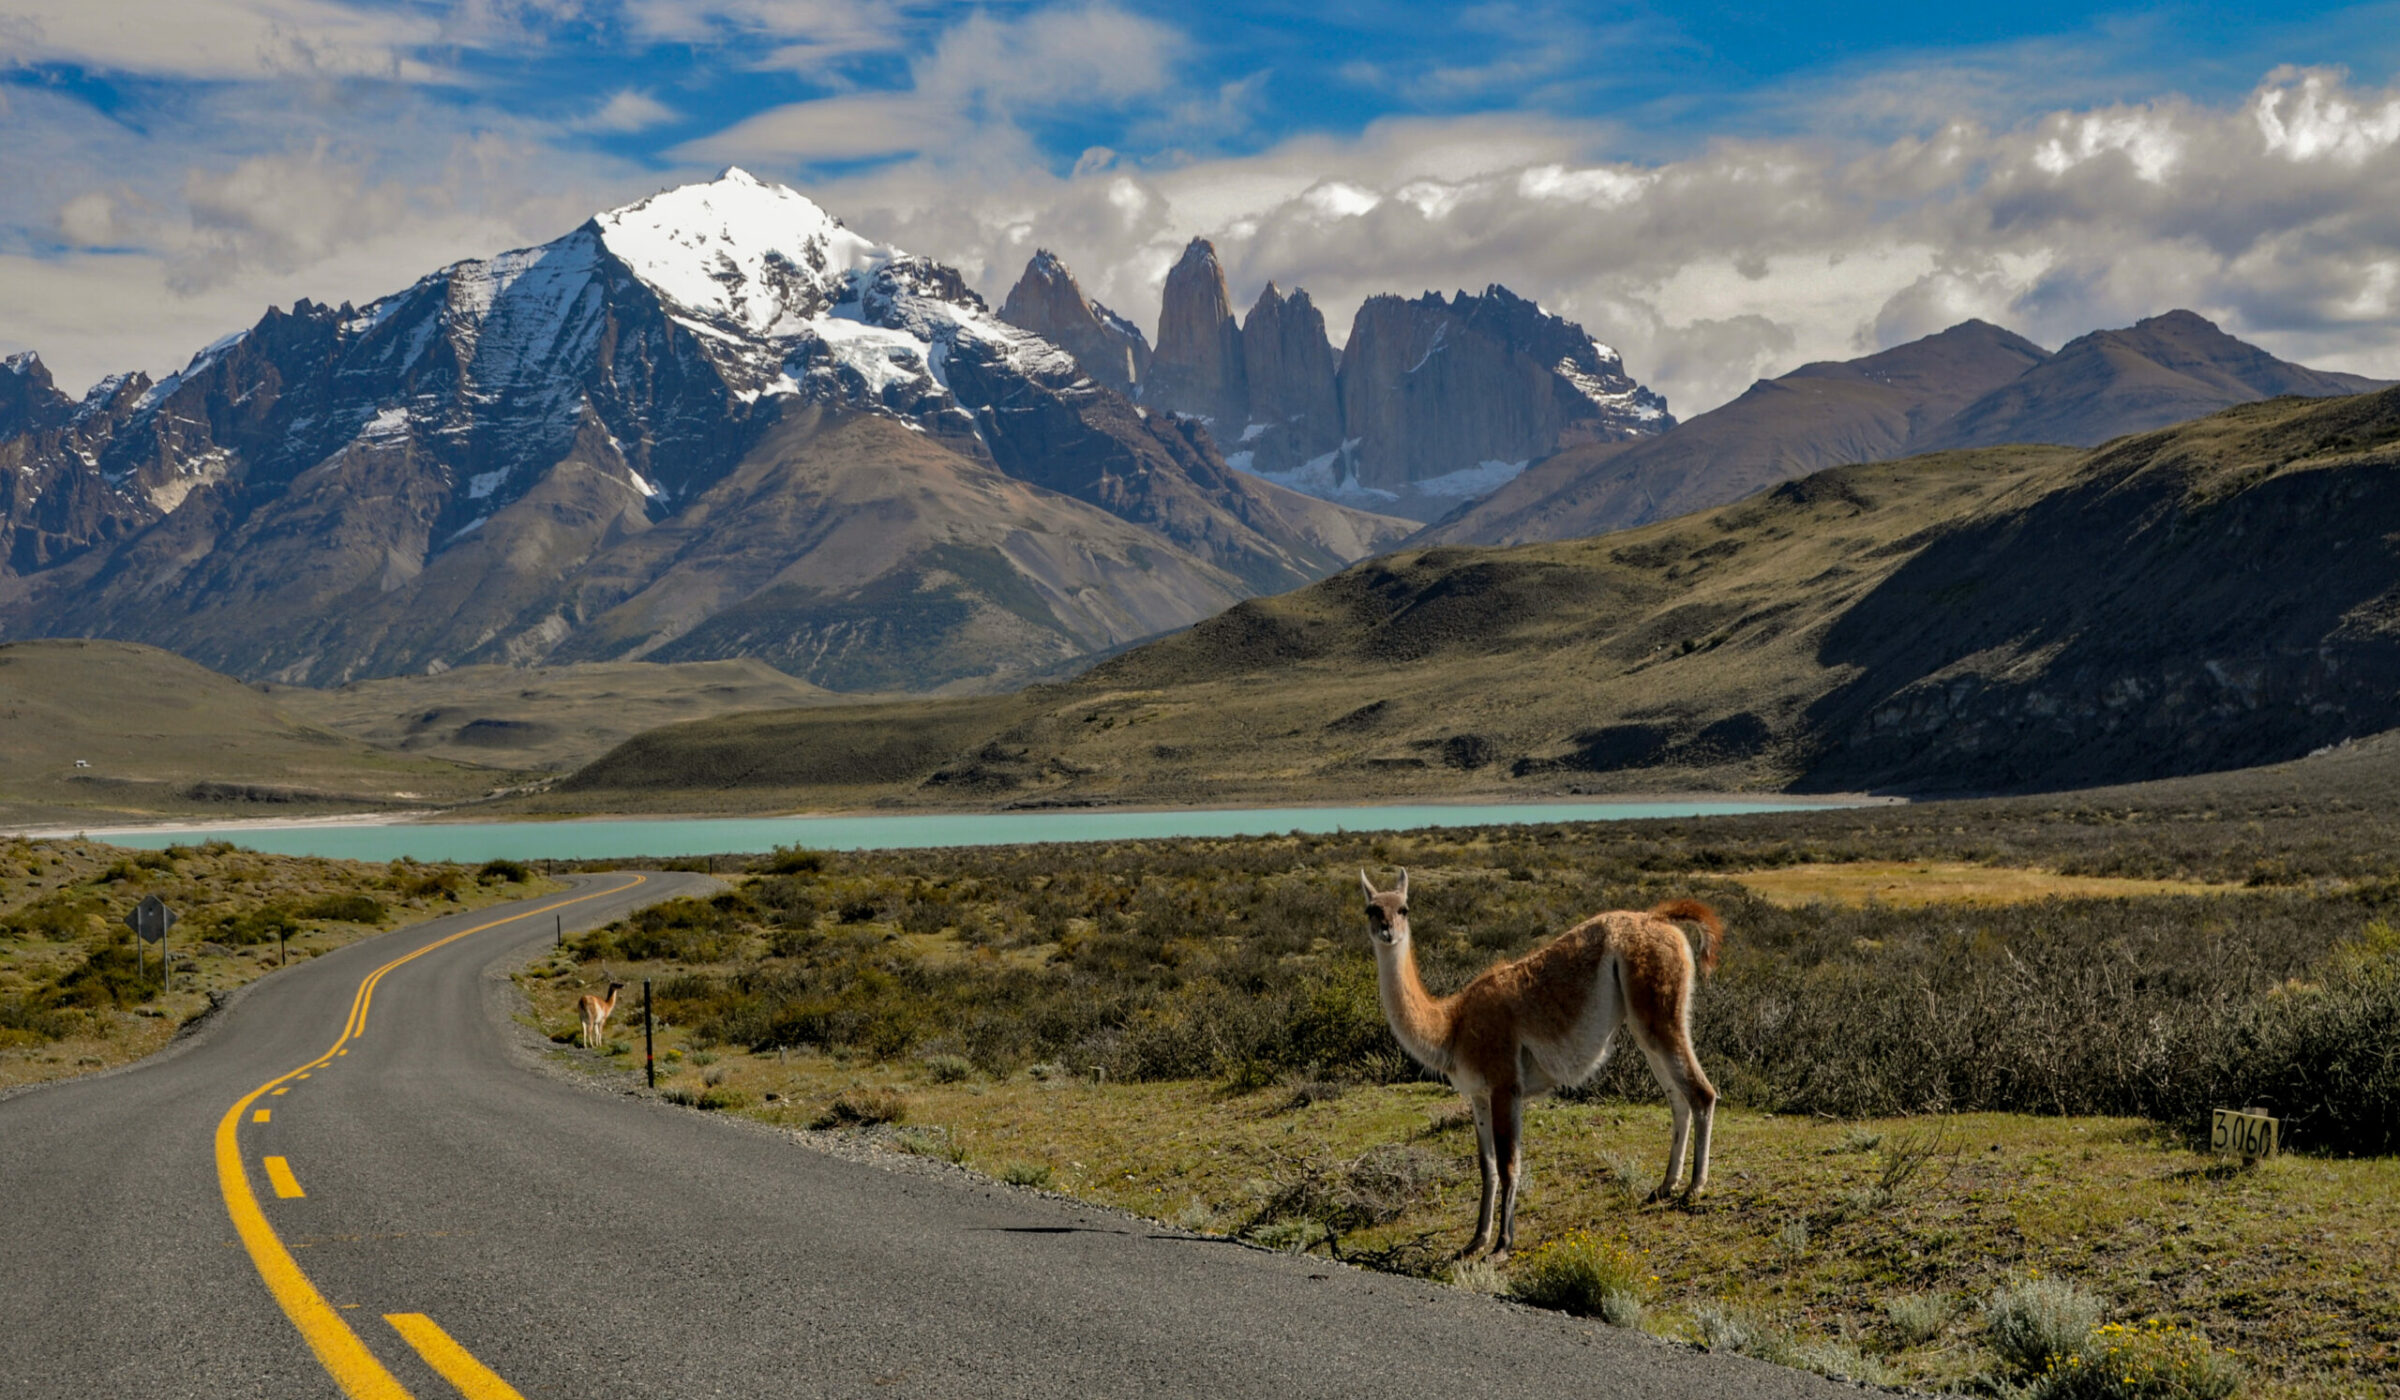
(371, 836)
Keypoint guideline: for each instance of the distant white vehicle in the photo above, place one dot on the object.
(83, 763)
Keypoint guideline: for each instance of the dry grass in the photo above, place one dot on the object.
(1913, 884)
(2290, 1264)
(61, 906)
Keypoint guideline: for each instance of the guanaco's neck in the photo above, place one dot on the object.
(1418, 1019)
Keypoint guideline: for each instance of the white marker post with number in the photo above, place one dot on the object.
(2246, 1131)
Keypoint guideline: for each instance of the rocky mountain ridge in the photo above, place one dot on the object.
(1430, 401)
(507, 462)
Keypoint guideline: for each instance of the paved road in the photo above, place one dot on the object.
(470, 1226)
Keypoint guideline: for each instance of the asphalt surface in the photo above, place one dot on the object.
(573, 1242)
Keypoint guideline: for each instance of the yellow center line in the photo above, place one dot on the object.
(338, 1349)
(287, 1088)
(259, 1117)
(451, 1361)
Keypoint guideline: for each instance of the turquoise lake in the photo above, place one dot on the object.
(622, 839)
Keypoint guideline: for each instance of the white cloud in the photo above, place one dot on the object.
(628, 109)
(219, 38)
(982, 78)
(2274, 216)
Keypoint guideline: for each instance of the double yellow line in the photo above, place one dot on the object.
(338, 1349)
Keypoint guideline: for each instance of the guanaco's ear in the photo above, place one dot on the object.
(1403, 890)
(1367, 883)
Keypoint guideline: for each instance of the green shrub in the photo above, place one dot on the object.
(2034, 1325)
(794, 860)
(1581, 1273)
(502, 871)
(264, 924)
(948, 1069)
(1025, 1174)
(351, 908)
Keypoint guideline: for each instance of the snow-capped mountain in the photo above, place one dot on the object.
(511, 460)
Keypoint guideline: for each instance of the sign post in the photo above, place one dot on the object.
(2249, 1132)
(150, 921)
(649, 1057)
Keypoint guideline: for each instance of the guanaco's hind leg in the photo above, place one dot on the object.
(1508, 1136)
(1694, 1103)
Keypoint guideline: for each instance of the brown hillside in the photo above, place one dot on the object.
(2202, 598)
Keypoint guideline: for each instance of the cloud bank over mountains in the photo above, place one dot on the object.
(156, 192)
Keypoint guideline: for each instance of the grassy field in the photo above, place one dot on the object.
(1936, 1106)
(72, 998)
(546, 719)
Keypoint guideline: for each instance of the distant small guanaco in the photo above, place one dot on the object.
(595, 1010)
(1548, 1020)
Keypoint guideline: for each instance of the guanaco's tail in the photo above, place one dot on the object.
(1698, 913)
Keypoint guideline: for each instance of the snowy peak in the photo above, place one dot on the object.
(749, 256)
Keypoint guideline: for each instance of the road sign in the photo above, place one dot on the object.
(151, 919)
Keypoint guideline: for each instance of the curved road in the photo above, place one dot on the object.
(467, 1226)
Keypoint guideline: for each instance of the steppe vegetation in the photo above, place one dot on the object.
(74, 994)
(1929, 1103)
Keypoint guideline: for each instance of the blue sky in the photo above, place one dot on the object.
(1719, 189)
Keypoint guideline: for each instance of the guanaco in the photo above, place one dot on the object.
(1548, 1020)
(595, 1010)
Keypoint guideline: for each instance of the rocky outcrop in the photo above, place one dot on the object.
(575, 451)
(1047, 302)
(1197, 368)
(1294, 413)
(1433, 401)
(1432, 387)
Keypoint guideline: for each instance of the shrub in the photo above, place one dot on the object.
(1025, 1174)
(264, 924)
(1913, 1319)
(862, 1108)
(353, 908)
(2155, 1360)
(1583, 1274)
(948, 1069)
(495, 872)
(2034, 1325)
(794, 860)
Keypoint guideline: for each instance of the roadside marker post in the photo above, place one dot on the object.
(649, 1060)
(562, 929)
(150, 921)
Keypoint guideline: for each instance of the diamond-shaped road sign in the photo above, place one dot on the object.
(151, 919)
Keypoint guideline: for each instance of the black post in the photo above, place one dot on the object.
(562, 929)
(649, 1061)
(282, 958)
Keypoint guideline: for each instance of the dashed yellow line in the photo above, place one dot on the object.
(338, 1349)
(449, 1360)
(279, 1175)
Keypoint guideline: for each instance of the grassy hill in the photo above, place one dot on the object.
(546, 718)
(2206, 597)
(166, 737)
(163, 736)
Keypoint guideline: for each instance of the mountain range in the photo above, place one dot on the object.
(1973, 385)
(713, 423)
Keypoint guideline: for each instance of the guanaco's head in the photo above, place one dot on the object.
(1387, 910)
